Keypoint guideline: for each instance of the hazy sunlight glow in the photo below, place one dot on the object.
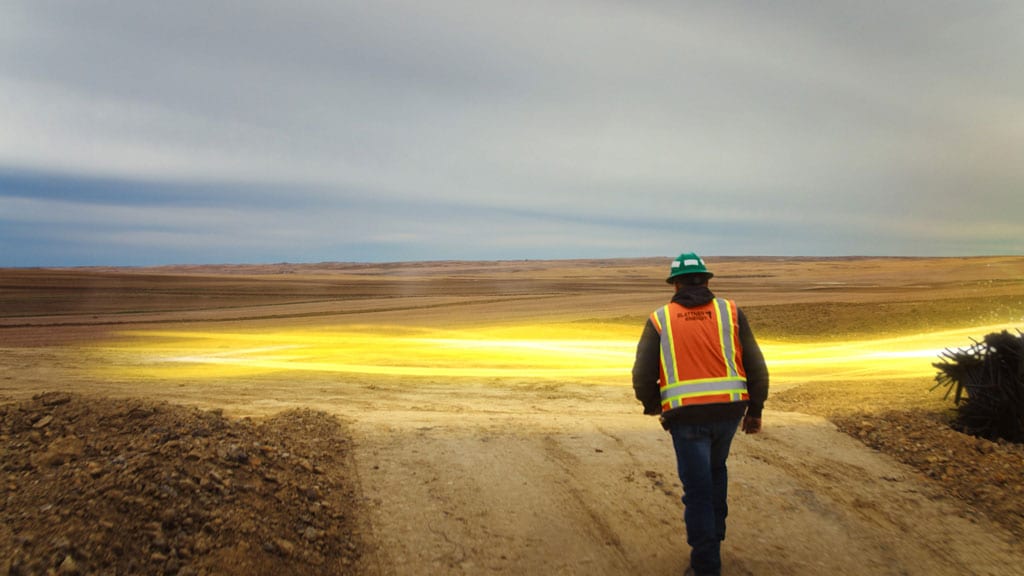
(572, 352)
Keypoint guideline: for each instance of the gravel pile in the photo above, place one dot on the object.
(134, 487)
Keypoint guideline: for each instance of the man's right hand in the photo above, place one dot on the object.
(751, 425)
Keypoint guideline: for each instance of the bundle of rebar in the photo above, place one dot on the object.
(987, 380)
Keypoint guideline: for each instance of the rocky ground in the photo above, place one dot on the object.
(100, 486)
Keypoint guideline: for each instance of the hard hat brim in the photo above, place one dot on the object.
(671, 279)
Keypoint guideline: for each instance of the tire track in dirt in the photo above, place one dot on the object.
(514, 495)
(597, 494)
(569, 484)
(802, 471)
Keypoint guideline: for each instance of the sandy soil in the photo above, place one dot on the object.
(543, 475)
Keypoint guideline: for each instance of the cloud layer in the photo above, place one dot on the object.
(148, 133)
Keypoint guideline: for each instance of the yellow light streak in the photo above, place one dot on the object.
(908, 356)
(571, 352)
(556, 352)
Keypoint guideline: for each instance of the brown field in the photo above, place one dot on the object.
(484, 419)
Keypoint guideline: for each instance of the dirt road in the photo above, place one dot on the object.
(570, 481)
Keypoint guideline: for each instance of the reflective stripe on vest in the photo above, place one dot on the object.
(700, 368)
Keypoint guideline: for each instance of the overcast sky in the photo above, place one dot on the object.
(204, 131)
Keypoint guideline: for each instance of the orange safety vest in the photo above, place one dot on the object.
(701, 355)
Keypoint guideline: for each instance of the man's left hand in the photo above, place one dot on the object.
(751, 425)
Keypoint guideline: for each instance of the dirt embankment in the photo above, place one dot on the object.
(134, 487)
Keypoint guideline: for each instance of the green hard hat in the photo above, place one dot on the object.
(687, 263)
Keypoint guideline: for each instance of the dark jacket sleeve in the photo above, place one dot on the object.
(755, 367)
(647, 370)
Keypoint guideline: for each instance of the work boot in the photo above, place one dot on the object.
(691, 572)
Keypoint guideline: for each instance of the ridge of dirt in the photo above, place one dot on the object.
(913, 426)
(988, 476)
(127, 486)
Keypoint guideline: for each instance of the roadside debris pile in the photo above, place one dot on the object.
(987, 380)
(132, 487)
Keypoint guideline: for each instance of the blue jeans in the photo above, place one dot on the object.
(701, 452)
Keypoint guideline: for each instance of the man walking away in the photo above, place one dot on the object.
(698, 366)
